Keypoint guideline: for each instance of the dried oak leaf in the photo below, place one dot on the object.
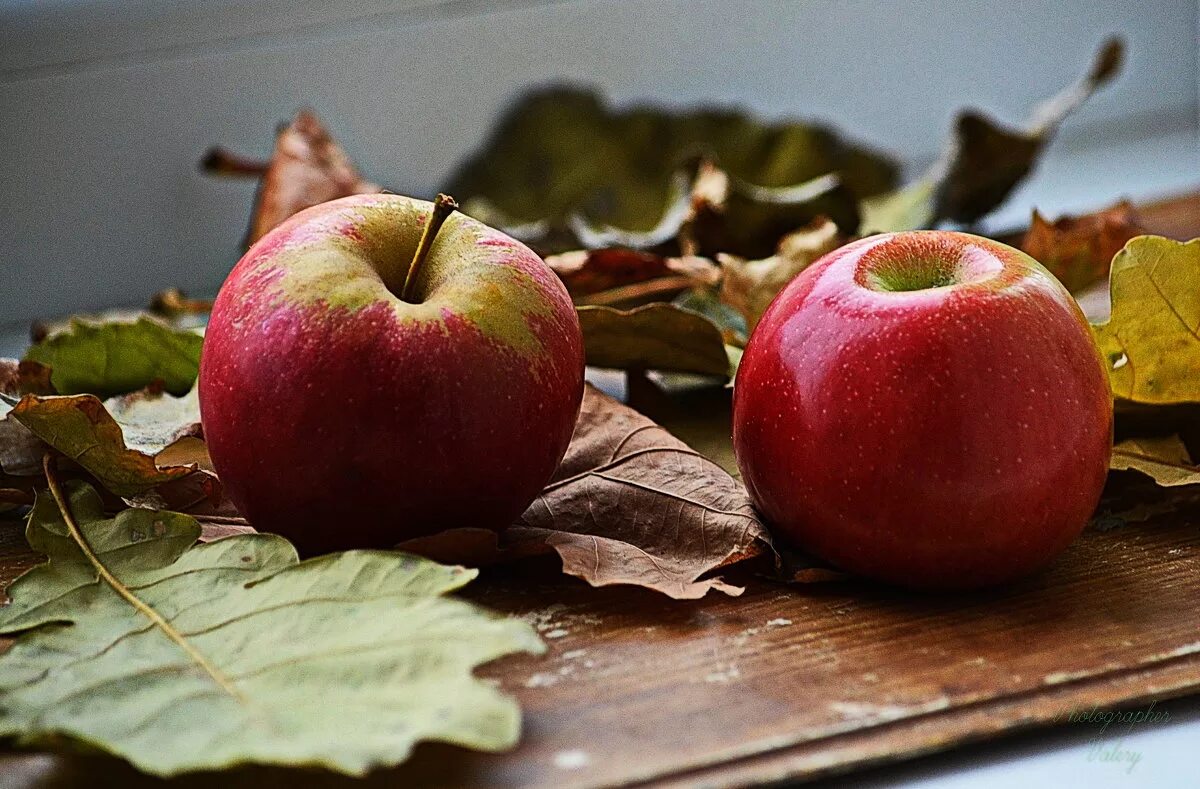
(1164, 459)
(307, 168)
(632, 504)
(178, 656)
(116, 357)
(1079, 249)
(653, 337)
(749, 286)
(561, 160)
(1152, 339)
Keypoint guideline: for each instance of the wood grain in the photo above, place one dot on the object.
(795, 682)
(790, 682)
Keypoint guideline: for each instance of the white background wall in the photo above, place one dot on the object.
(106, 105)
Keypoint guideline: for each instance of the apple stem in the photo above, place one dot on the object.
(443, 207)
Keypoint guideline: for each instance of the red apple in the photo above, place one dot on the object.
(343, 410)
(927, 409)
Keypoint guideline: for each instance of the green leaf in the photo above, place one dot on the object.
(79, 427)
(654, 337)
(180, 656)
(113, 358)
(1152, 339)
(564, 153)
(1164, 459)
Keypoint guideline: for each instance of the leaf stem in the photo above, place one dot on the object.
(77, 534)
(443, 207)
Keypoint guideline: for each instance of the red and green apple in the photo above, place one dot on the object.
(927, 409)
(379, 368)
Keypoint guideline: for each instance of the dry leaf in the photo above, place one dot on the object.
(595, 271)
(654, 337)
(986, 161)
(1079, 249)
(1165, 460)
(632, 504)
(151, 420)
(1152, 339)
(20, 450)
(307, 168)
(79, 427)
(749, 286)
(182, 657)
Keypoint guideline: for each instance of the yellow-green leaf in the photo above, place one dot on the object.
(1152, 340)
(116, 357)
(180, 656)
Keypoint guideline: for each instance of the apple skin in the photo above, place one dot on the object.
(955, 436)
(340, 416)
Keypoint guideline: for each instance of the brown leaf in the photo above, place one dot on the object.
(307, 168)
(1079, 249)
(653, 337)
(749, 286)
(632, 504)
(20, 450)
(588, 272)
(19, 378)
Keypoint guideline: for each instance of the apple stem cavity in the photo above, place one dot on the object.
(443, 207)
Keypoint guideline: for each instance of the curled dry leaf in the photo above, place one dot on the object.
(1079, 249)
(79, 427)
(653, 337)
(984, 161)
(632, 504)
(307, 168)
(1164, 459)
(1152, 339)
(117, 357)
(749, 286)
(208, 656)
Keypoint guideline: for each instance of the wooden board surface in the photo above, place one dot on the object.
(792, 682)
